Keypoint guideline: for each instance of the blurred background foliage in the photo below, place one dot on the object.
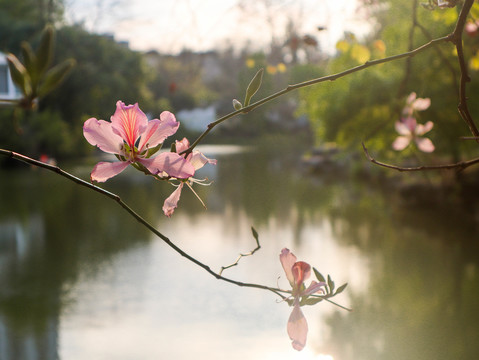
(360, 107)
(365, 105)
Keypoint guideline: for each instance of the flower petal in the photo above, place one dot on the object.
(401, 142)
(288, 259)
(411, 98)
(297, 328)
(421, 104)
(425, 145)
(105, 170)
(198, 160)
(402, 128)
(158, 130)
(182, 145)
(100, 133)
(171, 163)
(129, 122)
(422, 129)
(301, 271)
(314, 287)
(171, 201)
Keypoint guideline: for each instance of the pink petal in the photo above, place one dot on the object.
(198, 160)
(182, 145)
(421, 104)
(129, 122)
(425, 145)
(411, 98)
(410, 123)
(401, 142)
(297, 328)
(171, 201)
(301, 271)
(402, 128)
(288, 259)
(171, 163)
(100, 133)
(105, 170)
(158, 130)
(314, 287)
(422, 129)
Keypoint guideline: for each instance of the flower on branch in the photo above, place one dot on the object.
(413, 103)
(297, 272)
(409, 130)
(134, 139)
(197, 160)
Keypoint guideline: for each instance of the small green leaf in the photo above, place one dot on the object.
(152, 151)
(55, 76)
(253, 86)
(255, 233)
(340, 289)
(45, 49)
(311, 301)
(30, 60)
(330, 284)
(319, 276)
(19, 74)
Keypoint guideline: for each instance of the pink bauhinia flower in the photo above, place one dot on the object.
(410, 130)
(297, 272)
(413, 103)
(197, 160)
(134, 139)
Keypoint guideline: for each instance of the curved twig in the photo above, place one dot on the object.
(457, 41)
(135, 215)
(240, 256)
(332, 77)
(457, 166)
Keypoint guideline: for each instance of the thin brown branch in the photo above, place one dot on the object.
(240, 256)
(140, 219)
(407, 71)
(457, 41)
(110, 195)
(459, 166)
(332, 77)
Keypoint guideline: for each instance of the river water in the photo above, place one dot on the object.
(81, 279)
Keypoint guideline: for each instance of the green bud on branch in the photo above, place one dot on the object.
(253, 86)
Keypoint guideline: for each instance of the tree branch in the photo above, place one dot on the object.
(332, 77)
(457, 41)
(457, 166)
(240, 256)
(135, 215)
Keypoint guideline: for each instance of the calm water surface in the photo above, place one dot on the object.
(80, 279)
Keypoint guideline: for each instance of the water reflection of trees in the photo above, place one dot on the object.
(423, 259)
(423, 256)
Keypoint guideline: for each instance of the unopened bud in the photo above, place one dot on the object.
(237, 105)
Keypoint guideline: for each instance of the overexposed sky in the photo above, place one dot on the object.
(200, 25)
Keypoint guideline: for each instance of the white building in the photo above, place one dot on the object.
(8, 91)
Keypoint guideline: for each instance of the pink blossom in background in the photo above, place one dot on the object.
(131, 136)
(410, 130)
(296, 273)
(197, 160)
(413, 103)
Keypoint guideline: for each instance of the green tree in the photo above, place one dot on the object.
(364, 106)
